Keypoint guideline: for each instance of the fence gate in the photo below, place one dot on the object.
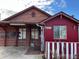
(61, 50)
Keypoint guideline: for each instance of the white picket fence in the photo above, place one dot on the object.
(61, 50)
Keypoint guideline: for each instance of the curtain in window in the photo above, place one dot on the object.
(56, 32)
(62, 32)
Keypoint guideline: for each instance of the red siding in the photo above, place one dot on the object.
(72, 31)
(2, 38)
(14, 41)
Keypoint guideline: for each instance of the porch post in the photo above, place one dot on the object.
(17, 36)
(5, 36)
(42, 38)
(5, 42)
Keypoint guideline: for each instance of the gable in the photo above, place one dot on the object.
(30, 15)
(60, 15)
(60, 21)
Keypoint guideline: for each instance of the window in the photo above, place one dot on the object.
(34, 34)
(60, 32)
(2, 34)
(22, 33)
(11, 35)
(33, 14)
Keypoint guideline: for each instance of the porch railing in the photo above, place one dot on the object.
(61, 50)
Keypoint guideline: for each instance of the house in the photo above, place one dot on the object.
(35, 28)
(61, 35)
(22, 29)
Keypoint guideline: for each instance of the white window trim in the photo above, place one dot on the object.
(22, 34)
(60, 35)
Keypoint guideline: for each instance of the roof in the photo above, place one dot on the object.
(19, 13)
(61, 13)
(44, 20)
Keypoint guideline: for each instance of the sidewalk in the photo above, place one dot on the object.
(11, 52)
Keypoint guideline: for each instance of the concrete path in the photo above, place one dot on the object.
(11, 52)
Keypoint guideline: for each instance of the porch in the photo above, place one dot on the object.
(20, 34)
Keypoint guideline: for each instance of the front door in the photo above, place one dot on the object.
(35, 38)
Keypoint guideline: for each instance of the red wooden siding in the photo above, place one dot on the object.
(11, 40)
(2, 37)
(72, 29)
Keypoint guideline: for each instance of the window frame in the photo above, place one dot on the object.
(35, 33)
(60, 37)
(22, 33)
(11, 34)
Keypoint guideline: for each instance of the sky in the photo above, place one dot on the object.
(70, 7)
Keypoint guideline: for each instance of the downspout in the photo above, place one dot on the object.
(78, 32)
(42, 37)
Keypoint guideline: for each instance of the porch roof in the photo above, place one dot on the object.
(8, 22)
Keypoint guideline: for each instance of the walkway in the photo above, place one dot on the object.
(12, 52)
